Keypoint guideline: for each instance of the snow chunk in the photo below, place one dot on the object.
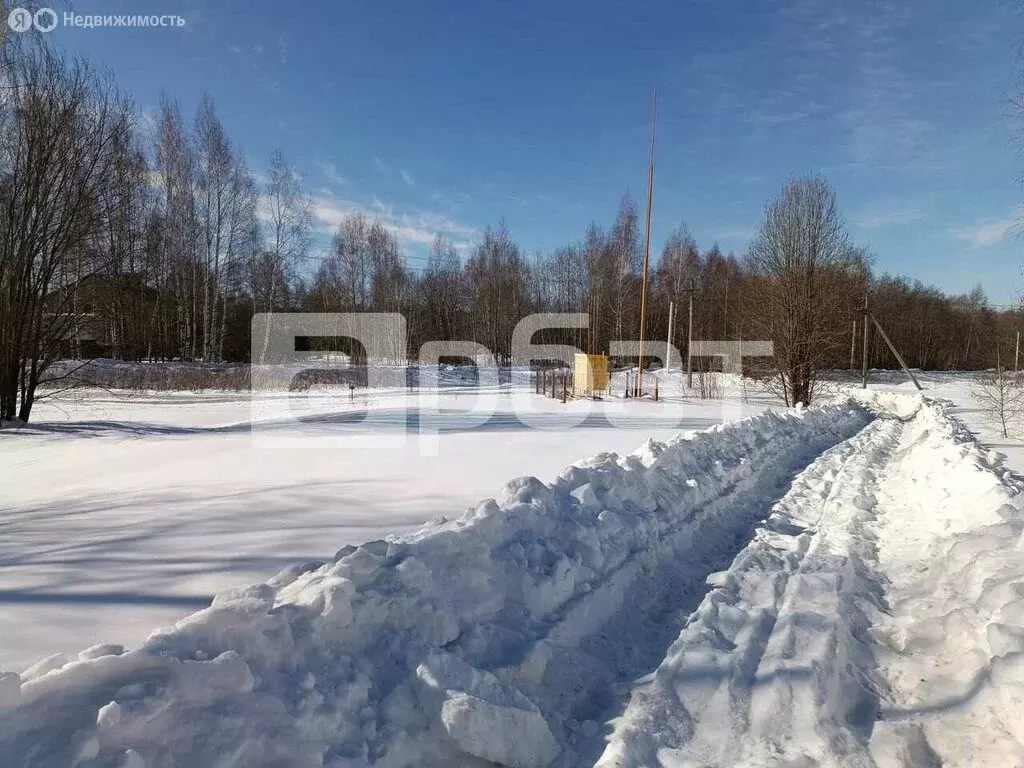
(101, 650)
(483, 716)
(46, 665)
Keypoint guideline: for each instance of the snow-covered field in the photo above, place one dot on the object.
(123, 513)
(838, 586)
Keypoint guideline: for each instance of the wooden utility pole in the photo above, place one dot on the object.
(1016, 355)
(647, 244)
(896, 354)
(888, 342)
(864, 359)
(689, 339)
(668, 340)
(853, 347)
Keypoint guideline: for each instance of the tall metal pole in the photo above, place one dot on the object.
(668, 340)
(864, 361)
(689, 343)
(647, 241)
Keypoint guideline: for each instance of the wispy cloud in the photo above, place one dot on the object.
(415, 228)
(990, 231)
(394, 170)
(331, 174)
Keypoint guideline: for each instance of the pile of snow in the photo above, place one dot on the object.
(500, 636)
(952, 635)
(875, 618)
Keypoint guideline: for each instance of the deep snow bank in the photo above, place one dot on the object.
(874, 620)
(774, 667)
(442, 647)
(952, 638)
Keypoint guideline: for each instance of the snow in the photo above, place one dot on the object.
(839, 585)
(423, 644)
(873, 619)
(481, 715)
(126, 512)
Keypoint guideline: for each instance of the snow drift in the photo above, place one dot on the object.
(484, 638)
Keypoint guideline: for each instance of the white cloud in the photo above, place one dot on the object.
(411, 228)
(392, 170)
(990, 231)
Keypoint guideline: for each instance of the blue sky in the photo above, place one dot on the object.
(448, 116)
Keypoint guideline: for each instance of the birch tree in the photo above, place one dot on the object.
(288, 221)
(807, 277)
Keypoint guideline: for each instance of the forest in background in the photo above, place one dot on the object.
(156, 241)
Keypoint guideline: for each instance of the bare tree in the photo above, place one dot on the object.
(60, 128)
(498, 282)
(349, 264)
(806, 276)
(624, 246)
(214, 189)
(180, 292)
(441, 289)
(289, 221)
(1001, 397)
(120, 296)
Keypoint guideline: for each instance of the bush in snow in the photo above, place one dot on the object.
(1001, 397)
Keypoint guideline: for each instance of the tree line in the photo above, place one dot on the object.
(157, 242)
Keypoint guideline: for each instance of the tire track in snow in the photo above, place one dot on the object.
(951, 646)
(815, 693)
(581, 673)
(775, 663)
